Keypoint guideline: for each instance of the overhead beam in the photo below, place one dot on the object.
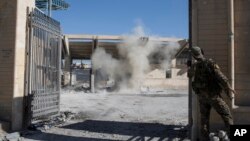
(82, 45)
(115, 37)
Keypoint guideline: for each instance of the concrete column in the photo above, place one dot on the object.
(70, 73)
(13, 33)
(94, 46)
(68, 62)
(67, 70)
(92, 83)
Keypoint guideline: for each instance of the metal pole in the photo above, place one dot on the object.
(50, 8)
(59, 67)
(231, 48)
(30, 73)
(190, 120)
(71, 67)
(31, 68)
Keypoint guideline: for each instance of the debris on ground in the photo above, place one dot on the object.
(220, 136)
(116, 116)
(11, 137)
(54, 121)
(1, 138)
(77, 88)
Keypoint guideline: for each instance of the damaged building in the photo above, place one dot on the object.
(81, 48)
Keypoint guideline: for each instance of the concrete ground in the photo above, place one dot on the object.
(155, 116)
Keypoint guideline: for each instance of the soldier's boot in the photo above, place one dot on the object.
(223, 109)
(205, 114)
(228, 120)
(204, 132)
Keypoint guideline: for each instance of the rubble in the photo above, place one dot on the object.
(77, 88)
(107, 116)
(11, 137)
(215, 138)
(54, 121)
(220, 136)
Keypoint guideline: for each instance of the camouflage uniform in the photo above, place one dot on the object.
(208, 83)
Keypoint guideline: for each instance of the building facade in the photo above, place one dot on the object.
(221, 28)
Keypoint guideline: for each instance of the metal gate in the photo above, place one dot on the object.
(43, 66)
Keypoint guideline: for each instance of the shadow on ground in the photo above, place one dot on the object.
(133, 131)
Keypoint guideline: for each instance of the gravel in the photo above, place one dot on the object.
(156, 115)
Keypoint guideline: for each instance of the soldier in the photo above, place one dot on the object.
(208, 82)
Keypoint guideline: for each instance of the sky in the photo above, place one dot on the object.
(166, 18)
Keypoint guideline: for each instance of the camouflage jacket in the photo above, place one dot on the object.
(208, 77)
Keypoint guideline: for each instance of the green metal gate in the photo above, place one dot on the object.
(43, 67)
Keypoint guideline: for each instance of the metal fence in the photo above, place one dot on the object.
(43, 70)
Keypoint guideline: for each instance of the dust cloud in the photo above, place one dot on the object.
(136, 54)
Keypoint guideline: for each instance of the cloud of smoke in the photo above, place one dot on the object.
(136, 54)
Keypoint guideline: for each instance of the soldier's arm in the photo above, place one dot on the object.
(223, 80)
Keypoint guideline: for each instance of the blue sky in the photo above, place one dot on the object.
(168, 18)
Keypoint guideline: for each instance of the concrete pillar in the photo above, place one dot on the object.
(13, 25)
(67, 62)
(67, 70)
(92, 83)
(70, 73)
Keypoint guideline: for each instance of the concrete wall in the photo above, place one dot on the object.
(242, 65)
(13, 15)
(242, 50)
(180, 84)
(157, 79)
(179, 73)
(7, 45)
(211, 31)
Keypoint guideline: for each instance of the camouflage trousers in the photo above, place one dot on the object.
(220, 106)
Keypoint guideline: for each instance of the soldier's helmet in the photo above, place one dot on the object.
(197, 52)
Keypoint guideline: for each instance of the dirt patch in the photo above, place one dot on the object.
(132, 117)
